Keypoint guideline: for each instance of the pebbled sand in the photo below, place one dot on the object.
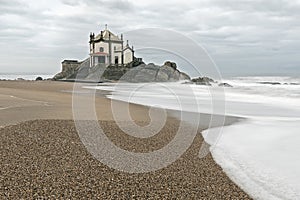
(43, 157)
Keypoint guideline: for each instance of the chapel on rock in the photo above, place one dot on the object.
(108, 48)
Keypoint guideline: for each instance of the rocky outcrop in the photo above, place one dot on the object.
(130, 73)
(207, 82)
(154, 73)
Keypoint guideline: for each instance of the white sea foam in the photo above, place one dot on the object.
(23, 76)
(261, 154)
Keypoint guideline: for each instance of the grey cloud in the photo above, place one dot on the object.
(273, 6)
(122, 5)
(235, 32)
(12, 7)
(71, 2)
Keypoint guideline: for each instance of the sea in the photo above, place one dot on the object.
(24, 76)
(261, 152)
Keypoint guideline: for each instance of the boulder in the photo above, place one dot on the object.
(39, 78)
(184, 76)
(154, 73)
(203, 81)
(145, 75)
(171, 64)
(225, 85)
(270, 83)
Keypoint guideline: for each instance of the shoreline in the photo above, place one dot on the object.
(60, 116)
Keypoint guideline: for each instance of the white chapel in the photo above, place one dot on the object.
(108, 48)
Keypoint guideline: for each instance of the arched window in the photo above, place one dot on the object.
(101, 49)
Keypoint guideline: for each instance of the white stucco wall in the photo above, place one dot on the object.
(101, 44)
(127, 56)
(115, 51)
(114, 54)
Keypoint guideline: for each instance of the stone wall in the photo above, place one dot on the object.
(69, 68)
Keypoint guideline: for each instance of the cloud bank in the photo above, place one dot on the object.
(244, 37)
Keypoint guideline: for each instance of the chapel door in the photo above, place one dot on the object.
(101, 59)
(116, 60)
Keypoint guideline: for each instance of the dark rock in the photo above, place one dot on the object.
(184, 76)
(136, 62)
(270, 83)
(39, 78)
(146, 75)
(171, 64)
(162, 75)
(154, 73)
(203, 81)
(225, 85)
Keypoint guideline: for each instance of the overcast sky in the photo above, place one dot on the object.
(244, 37)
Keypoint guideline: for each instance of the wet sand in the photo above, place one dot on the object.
(42, 155)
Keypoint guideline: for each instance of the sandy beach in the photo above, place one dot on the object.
(42, 155)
